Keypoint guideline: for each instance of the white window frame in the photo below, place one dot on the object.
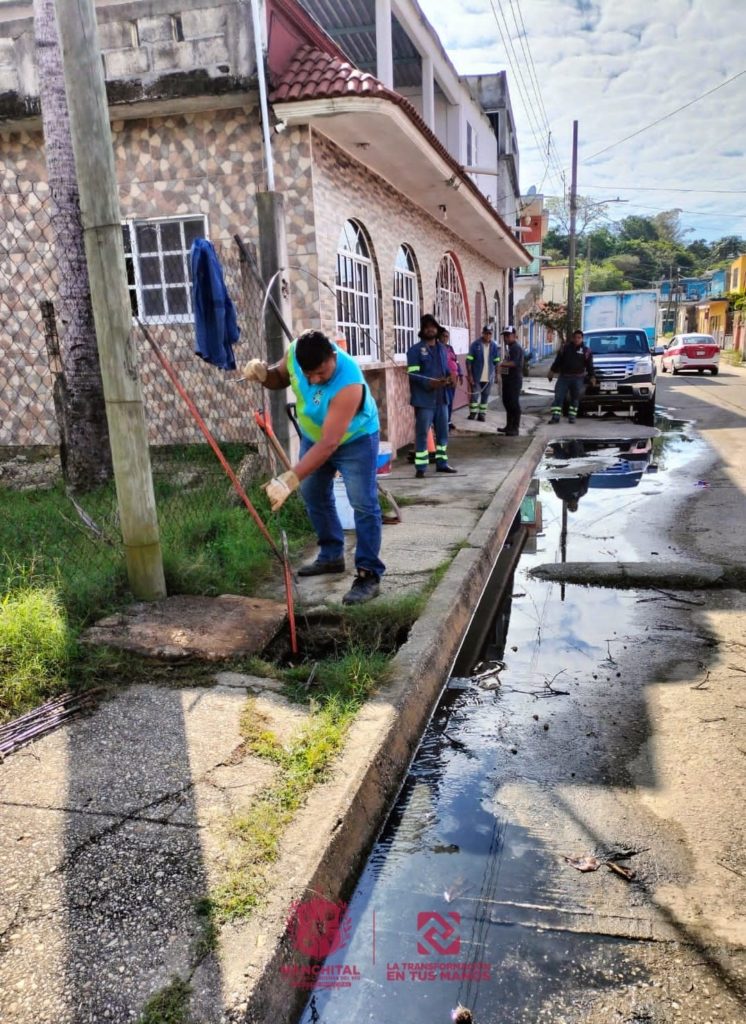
(357, 298)
(138, 288)
(472, 146)
(406, 303)
(450, 303)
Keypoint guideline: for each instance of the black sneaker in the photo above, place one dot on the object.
(365, 587)
(502, 430)
(555, 419)
(322, 568)
(420, 474)
(445, 469)
(472, 416)
(481, 417)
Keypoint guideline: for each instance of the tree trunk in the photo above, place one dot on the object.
(85, 430)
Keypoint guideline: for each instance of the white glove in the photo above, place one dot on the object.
(256, 370)
(280, 488)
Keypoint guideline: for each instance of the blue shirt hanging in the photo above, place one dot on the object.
(215, 320)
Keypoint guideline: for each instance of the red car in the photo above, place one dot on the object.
(698, 352)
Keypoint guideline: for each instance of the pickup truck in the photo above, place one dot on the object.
(625, 374)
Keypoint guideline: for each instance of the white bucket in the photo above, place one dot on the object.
(344, 508)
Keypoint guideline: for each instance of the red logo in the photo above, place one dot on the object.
(319, 927)
(438, 935)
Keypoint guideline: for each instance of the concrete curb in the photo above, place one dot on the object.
(341, 819)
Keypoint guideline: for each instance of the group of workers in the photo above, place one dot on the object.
(339, 426)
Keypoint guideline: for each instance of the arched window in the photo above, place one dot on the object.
(450, 303)
(406, 301)
(357, 295)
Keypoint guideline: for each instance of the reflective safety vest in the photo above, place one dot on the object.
(313, 399)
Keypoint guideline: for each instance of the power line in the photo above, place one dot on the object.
(659, 188)
(665, 117)
(532, 118)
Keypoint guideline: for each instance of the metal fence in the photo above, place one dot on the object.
(77, 538)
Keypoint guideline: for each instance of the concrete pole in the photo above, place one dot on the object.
(573, 238)
(428, 93)
(102, 231)
(273, 256)
(384, 45)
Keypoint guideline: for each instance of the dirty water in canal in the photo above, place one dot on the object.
(466, 897)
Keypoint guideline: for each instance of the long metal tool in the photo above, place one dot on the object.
(282, 557)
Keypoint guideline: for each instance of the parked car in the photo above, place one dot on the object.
(625, 374)
(698, 352)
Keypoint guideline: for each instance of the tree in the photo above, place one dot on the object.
(668, 226)
(634, 228)
(553, 316)
(588, 212)
(84, 435)
(603, 243)
(728, 247)
(607, 278)
(556, 245)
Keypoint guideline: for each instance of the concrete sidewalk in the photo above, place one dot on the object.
(113, 829)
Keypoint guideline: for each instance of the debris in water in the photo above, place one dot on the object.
(626, 873)
(584, 863)
(462, 1015)
(702, 484)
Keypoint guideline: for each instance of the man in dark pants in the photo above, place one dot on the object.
(429, 377)
(574, 365)
(511, 369)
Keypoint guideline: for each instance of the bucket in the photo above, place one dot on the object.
(385, 455)
(344, 508)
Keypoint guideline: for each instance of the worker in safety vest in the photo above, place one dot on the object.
(429, 377)
(339, 427)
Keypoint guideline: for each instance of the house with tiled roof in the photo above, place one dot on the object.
(399, 177)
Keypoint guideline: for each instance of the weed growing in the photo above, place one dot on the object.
(35, 643)
(169, 1006)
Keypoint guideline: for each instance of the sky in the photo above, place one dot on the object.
(616, 66)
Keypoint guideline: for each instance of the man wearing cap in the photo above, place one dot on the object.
(339, 433)
(429, 377)
(511, 369)
(483, 358)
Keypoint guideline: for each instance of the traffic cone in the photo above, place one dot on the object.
(430, 446)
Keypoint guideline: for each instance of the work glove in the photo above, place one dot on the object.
(255, 370)
(280, 488)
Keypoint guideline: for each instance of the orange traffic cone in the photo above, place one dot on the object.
(430, 446)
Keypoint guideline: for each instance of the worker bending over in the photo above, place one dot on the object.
(339, 433)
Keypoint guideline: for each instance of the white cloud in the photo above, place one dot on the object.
(616, 67)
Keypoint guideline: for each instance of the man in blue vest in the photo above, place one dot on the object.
(339, 426)
(429, 377)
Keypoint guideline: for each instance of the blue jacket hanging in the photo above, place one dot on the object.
(215, 320)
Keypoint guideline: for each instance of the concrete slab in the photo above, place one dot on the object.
(640, 575)
(187, 626)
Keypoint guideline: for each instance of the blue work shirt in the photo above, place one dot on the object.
(426, 363)
(215, 320)
(475, 360)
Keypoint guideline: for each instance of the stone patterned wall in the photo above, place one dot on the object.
(344, 189)
(202, 163)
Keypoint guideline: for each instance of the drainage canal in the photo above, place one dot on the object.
(465, 899)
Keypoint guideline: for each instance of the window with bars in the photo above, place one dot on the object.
(406, 301)
(357, 295)
(450, 305)
(156, 256)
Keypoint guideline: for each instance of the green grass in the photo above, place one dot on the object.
(257, 833)
(35, 643)
(169, 1006)
(732, 357)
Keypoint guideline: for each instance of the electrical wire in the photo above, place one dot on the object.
(665, 117)
(660, 188)
(512, 57)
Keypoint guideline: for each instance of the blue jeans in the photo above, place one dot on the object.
(436, 418)
(357, 462)
(567, 386)
(479, 395)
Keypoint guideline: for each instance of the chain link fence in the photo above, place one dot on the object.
(47, 532)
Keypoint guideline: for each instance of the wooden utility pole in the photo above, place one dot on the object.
(100, 214)
(573, 219)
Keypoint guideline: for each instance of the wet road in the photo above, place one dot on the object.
(550, 744)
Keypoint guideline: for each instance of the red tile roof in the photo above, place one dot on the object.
(313, 75)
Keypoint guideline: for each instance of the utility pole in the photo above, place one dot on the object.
(102, 232)
(573, 219)
(273, 251)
